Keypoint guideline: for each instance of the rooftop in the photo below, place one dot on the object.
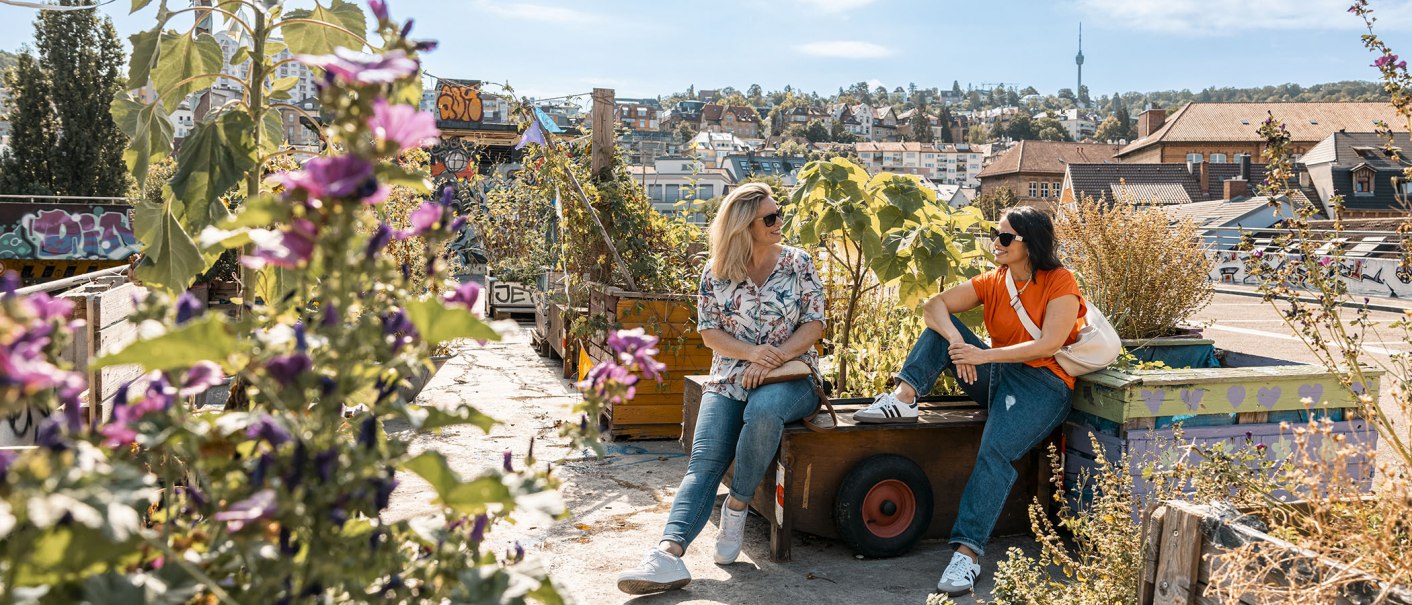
(1048, 157)
(1240, 122)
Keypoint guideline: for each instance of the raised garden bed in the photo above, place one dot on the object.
(1183, 543)
(509, 298)
(656, 411)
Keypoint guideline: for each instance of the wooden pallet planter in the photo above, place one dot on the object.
(552, 321)
(106, 306)
(798, 493)
(509, 298)
(1183, 544)
(656, 411)
(1136, 412)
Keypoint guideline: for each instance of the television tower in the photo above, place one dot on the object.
(1079, 60)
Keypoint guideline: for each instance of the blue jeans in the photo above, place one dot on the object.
(1024, 404)
(729, 429)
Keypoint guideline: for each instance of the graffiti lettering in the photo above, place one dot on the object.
(59, 234)
(460, 103)
(1362, 276)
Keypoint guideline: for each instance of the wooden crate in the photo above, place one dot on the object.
(798, 494)
(553, 319)
(106, 306)
(1183, 543)
(656, 411)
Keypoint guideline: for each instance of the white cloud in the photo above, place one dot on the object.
(845, 49)
(835, 6)
(536, 12)
(1219, 17)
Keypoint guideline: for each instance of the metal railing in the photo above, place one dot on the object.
(77, 280)
(51, 199)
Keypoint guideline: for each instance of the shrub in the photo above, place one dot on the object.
(1146, 274)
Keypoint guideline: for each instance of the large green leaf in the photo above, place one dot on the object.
(170, 258)
(472, 497)
(212, 160)
(180, 58)
(319, 39)
(208, 338)
(271, 131)
(430, 418)
(149, 132)
(438, 323)
(144, 56)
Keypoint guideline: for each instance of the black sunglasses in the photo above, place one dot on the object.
(771, 218)
(1005, 238)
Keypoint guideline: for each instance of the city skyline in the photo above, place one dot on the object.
(549, 48)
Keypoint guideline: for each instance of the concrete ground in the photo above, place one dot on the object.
(619, 504)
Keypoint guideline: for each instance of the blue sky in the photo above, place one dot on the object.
(642, 48)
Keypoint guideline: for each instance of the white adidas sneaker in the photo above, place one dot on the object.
(960, 576)
(887, 408)
(660, 571)
(731, 535)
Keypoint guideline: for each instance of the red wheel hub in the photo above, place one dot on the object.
(889, 508)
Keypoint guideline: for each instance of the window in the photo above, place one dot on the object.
(1194, 157)
(1218, 158)
(673, 194)
(654, 193)
(1044, 190)
(1034, 189)
(1363, 182)
(1406, 188)
(705, 192)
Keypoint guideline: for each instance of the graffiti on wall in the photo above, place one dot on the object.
(65, 232)
(1363, 276)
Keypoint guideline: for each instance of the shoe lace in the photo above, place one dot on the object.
(960, 569)
(883, 401)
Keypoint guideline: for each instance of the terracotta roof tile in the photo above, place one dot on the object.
(1048, 156)
(1240, 122)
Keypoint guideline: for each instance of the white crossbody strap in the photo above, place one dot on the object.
(1020, 307)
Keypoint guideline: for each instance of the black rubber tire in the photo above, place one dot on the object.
(849, 517)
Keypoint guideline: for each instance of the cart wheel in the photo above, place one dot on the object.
(883, 506)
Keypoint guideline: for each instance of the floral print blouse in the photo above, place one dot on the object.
(767, 313)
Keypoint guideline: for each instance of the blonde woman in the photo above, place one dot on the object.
(761, 304)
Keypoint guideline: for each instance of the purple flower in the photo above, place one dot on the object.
(256, 507)
(117, 433)
(330, 312)
(285, 369)
(506, 462)
(636, 347)
(1389, 60)
(288, 248)
(46, 307)
(202, 376)
(607, 374)
(464, 294)
(407, 28)
(379, 8)
(1326, 261)
(402, 125)
(425, 45)
(396, 325)
(354, 67)
(425, 219)
(382, 491)
(188, 308)
(301, 337)
(324, 462)
(378, 241)
(9, 282)
(333, 177)
(478, 528)
(1258, 254)
(269, 429)
(6, 457)
(368, 432)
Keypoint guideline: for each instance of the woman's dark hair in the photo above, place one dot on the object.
(1035, 226)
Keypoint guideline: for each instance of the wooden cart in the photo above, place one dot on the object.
(879, 487)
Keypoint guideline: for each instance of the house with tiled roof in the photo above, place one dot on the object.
(1034, 170)
(884, 125)
(942, 163)
(1159, 184)
(1217, 132)
(739, 120)
(1360, 167)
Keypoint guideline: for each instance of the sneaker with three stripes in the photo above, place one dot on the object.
(887, 408)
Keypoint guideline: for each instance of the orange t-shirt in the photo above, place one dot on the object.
(1005, 327)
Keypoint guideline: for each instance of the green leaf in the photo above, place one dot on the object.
(149, 133)
(170, 259)
(208, 338)
(144, 56)
(263, 211)
(396, 176)
(431, 418)
(318, 39)
(212, 160)
(279, 89)
(240, 55)
(271, 131)
(473, 497)
(181, 57)
(138, 5)
(438, 323)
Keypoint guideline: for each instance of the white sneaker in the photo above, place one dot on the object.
(731, 534)
(660, 571)
(886, 408)
(960, 576)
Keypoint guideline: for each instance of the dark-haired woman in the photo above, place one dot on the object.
(1016, 378)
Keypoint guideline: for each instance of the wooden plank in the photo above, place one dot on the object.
(1178, 556)
(1151, 542)
(116, 305)
(1239, 390)
(648, 414)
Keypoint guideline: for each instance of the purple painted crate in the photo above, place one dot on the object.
(1079, 454)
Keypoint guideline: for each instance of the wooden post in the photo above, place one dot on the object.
(1178, 558)
(604, 133)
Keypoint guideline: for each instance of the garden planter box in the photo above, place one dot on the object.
(813, 481)
(656, 411)
(1183, 543)
(1176, 352)
(1135, 412)
(419, 380)
(507, 298)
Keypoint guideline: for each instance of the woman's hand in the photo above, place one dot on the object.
(966, 357)
(754, 373)
(768, 356)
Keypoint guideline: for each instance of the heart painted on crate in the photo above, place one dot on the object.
(1236, 395)
(1312, 392)
(1358, 388)
(1153, 399)
(1192, 398)
(1268, 397)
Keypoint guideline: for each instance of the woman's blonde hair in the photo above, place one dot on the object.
(731, 244)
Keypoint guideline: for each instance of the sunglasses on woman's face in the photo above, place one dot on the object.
(1005, 238)
(771, 218)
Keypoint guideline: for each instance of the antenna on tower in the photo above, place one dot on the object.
(1079, 60)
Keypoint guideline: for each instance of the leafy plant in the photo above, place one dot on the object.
(884, 232)
(514, 223)
(1145, 273)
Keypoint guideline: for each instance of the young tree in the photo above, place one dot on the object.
(1110, 130)
(946, 120)
(839, 134)
(978, 134)
(1021, 128)
(956, 88)
(816, 132)
(755, 94)
(880, 95)
(922, 125)
(82, 56)
(1049, 128)
(25, 166)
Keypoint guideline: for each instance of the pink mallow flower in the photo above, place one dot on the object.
(336, 177)
(402, 125)
(287, 248)
(464, 294)
(258, 506)
(636, 347)
(353, 67)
